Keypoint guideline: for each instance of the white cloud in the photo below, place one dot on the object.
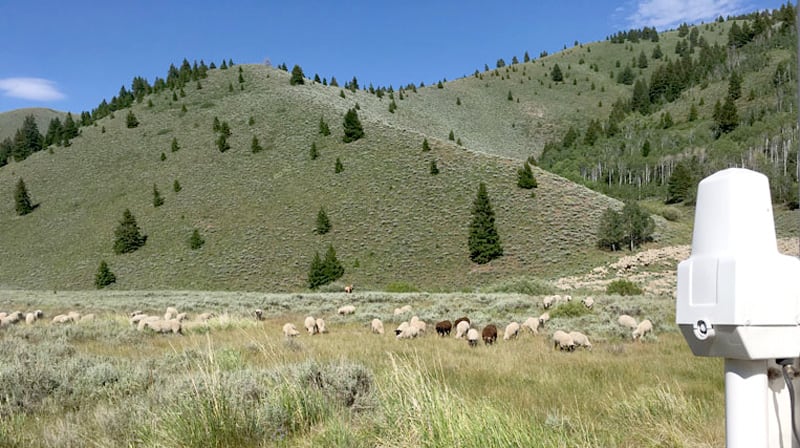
(664, 14)
(37, 89)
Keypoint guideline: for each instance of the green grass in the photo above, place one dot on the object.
(239, 383)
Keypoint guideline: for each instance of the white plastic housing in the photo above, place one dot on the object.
(738, 297)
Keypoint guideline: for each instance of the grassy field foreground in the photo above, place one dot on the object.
(239, 382)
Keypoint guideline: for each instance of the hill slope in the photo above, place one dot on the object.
(12, 120)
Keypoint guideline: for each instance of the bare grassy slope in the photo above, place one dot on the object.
(12, 120)
(392, 221)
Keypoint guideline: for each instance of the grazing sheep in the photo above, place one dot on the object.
(419, 324)
(347, 309)
(259, 313)
(588, 302)
(87, 317)
(563, 341)
(462, 329)
(407, 331)
(311, 325)
(627, 321)
(489, 334)
(512, 330)
(74, 315)
(402, 310)
(163, 326)
(348, 289)
(472, 337)
(3, 315)
(461, 319)
(321, 325)
(145, 321)
(642, 329)
(30, 318)
(135, 313)
(171, 313)
(66, 318)
(400, 328)
(532, 324)
(205, 316)
(181, 317)
(289, 330)
(376, 326)
(580, 340)
(549, 301)
(443, 328)
(543, 318)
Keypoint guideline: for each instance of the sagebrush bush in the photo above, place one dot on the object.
(573, 308)
(624, 288)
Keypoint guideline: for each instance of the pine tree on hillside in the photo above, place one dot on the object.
(641, 98)
(735, 86)
(331, 266)
(324, 129)
(316, 273)
(425, 146)
(323, 224)
(22, 200)
(312, 152)
(127, 235)
(174, 145)
(434, 169)
(131, 120)
(680, 184)
(610, 232)
(70, 127)
(255, 146)
(196, 241)
(54, 132)
(104, 276)
(556, 74)
(158, 201)
(338, 167)
(525, 177)
(352, 127)
(176, 186)
(726, 117)
(484, 241)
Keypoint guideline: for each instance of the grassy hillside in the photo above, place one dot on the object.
(12, 120)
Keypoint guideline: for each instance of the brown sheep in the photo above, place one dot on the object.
(443, 328)
(489, 334)
(348, 289)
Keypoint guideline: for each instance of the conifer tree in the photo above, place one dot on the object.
(680, 184)
(312, 152)
(692, 113)
(338, 168)
(70, 127)
(735, 86)
(316, 273)
(176, 186)
(217, 125)
(255, 146)
(22, 200)
(104, 276)
(332, 268)
(434, 169)
(484, 241)
(555, 74)
(196, 241)
(174, 145)
(642, 61)
(726, 117)
(525, 178)
(425, 146)
(158, 201)
(324, 129)
(323, 224)
(127, 235)
(352, 127)
(54, 132)
(641, 98)
(131, 120)
(451, 136)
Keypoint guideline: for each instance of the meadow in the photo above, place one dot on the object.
(237, 381)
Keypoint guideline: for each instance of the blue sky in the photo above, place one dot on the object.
(72, 55)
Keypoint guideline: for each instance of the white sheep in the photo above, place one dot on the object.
(63, 319)
(543, 318)
(347, 309)
(30, 318)
(642, 329)
(74, 316)
(171, 313)
(627, 321)
(400, 328)
(145, 321)
(563, 341)
(289, 330)
(512, 330)
(311, 325)
(181, 317)
(409, 332)
(548, 301)
(472, 337)
(402, 310)
(462, 329)
(3, 315)
(136, 313)
(532, 324)
(164, 326)
(580, 340)
(420, 325)
(376, 326)
(588, 302)
(321, 325)
(135, 319)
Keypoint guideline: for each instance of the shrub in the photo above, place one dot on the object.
(570, 309)
(196, 241)
(104, 276)
(400, 287)
(624, 288)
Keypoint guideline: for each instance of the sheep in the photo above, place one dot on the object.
(512, 330)
(145, 321)
(472, 337)
(460, 319)
(563, 341)
(580, 340)
(74, 315)
(404, 309)
(311, 325)
(627, 321)
(134, 320)
(443, 328)
(348, 289)
(532, 324)
(321, 325)
(87, 317)
(14, 318)
(163, 326)
(376, 326)
(407, 331)
(66, 318)
(171, 313)
(489, 334)
(400, 328)
(181, 317)
(289, 330)
(347, 309)
(543, 318)
(205, 316)
(419, 324)
(588, 302)
(462, 329)
(135, 313)
(259, 313)
(30, 318)
(548, 301)
(642, 329)
(3, 315)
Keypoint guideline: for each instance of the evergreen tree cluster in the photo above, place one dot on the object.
(324, 271)
(627, 229)
(634, 35)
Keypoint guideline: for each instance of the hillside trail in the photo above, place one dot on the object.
(655, 270)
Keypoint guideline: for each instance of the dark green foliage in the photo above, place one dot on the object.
(439, 85)
(434, 170)
(352, 127)
(555, 74)
(510, 96)
(222, 143)
(131, 121)
(323, 224)
(341, 94)
(629, 229)
(338, 168)
(680, 184)
(623, 287)
(22, 200)
(196, 241)
(525, 178)
(127, 235)
(641, 98)
(312, 152)
(657, 53)
(27, 139)
(255, 146)
(174, 96)
(217, 125)
(665, 121)
(425, 146)
(646, 148)
(484, 241)
(626, 76)
(182, 93)
(324, 271)
(458, 141)
(176, 186)
(451, 136)
(458, 101)
(569, 309)
(174, 146)
(735, 86)
(726, 117)
(570, 137)
(642, 61)
(184, 109)
(241, 78)
(324, 129)
(54, 133)
(593, 132)
(251, 121)
(163, 156)
(104, 276)
(158, 201)
(692, 114)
